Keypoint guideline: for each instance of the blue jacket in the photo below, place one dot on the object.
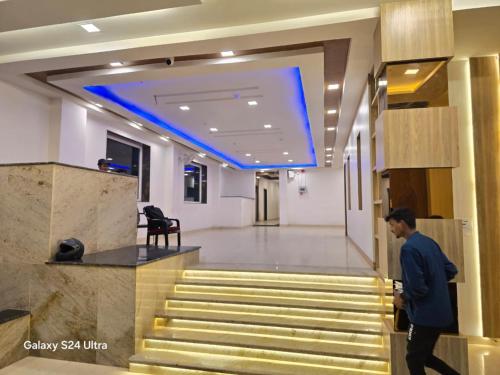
(425, 273)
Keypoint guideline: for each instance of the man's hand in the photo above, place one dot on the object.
(398, 300)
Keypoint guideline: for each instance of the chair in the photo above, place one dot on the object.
(159, 224)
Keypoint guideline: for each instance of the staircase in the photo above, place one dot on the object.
(228, 322)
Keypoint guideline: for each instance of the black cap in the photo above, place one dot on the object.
(102, 161)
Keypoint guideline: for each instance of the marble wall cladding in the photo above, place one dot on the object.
(153, 282)
(12, 336)
(116, 315)
(97, 208)
(25, 201)
(64, 307)
(15, 286)
(85, 304)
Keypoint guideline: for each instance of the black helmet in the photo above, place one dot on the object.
(70, 249)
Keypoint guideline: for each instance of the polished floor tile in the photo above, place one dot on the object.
(484, 357)
(284, 249)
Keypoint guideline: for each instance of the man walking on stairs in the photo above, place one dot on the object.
(425, 274)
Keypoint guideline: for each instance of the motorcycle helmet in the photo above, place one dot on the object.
(70, 249)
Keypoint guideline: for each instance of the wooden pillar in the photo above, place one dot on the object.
(485, 86)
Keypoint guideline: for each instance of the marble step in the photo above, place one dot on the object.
(360, 284)
(215, 357)
(299, 317)
(283, 297)
(170, 370)
(353, 345)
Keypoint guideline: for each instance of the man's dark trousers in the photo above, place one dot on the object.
(421, 342)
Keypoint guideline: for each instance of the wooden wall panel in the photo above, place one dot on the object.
(417, 138)
(452, 349)
(440, 192)
(447, 233)
(416, 29)
(485, 85)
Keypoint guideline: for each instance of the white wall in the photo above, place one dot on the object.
(322, 204)
(360, 222)
(237, 183)
(24, 125)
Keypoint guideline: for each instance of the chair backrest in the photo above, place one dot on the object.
(153, 212)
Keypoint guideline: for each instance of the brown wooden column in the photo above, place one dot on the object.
(485, 86)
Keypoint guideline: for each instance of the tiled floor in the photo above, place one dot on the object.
(286, 249)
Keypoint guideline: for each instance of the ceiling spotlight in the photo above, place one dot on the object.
(135, 125)
(290, 160)
(328, 149)
(382, 82)
(227, 53)
(258, 177)
(224, 165)
(213, 130)
(90, 28)
(328, 161)
(98, 104)
(248, 154)
(328, 155)
(268, 126)
(331, 111)
(202, 155)
(166, 139)
(252, 103)
(330, 128)
(333, 86)
(184, 108)
(285, 153)
(411, 71)
(257, 161)
(116, 64)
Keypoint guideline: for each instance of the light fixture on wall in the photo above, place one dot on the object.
(224, 165)
(166, 139)
(382, 82)
(116, 64)
(202, 155)
(90, 28)
(227, 53)
(411, 71)
(134, 125)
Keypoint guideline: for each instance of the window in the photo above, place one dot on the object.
(358, 157)
(132, 158)
(195, 183)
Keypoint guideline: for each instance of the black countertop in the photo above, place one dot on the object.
(10, 314)
(129, 256)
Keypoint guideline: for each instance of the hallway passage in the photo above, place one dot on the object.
(308, 249)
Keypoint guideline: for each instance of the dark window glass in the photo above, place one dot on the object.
(203, 184)
(191, 183)
(125, 158)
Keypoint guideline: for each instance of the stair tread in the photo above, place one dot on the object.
(338, 350)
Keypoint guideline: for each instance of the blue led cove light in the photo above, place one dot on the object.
(106, 93)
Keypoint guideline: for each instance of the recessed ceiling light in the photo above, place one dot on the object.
(258, 177)
(331, 111)
(166, 139)
(98, 104)
(248, 154)
(290, 160)
(328, 149)
(109, 159)
(257, 161)
(330, 128)
(268, 126)
(90, 28)
(411, 71)
(202, 155)
(214, 130)
(382, 82)
(328, 155)
(328, 161)
(333, 86)
(184, 108)
(227, 53)
(285, 153)
(94, 107)
(252, 102)
(115, 64)
(134, 125)
(224, 165)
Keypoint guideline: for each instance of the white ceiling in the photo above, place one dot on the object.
(218, 96)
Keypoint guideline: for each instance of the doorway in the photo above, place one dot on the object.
(267, 198)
